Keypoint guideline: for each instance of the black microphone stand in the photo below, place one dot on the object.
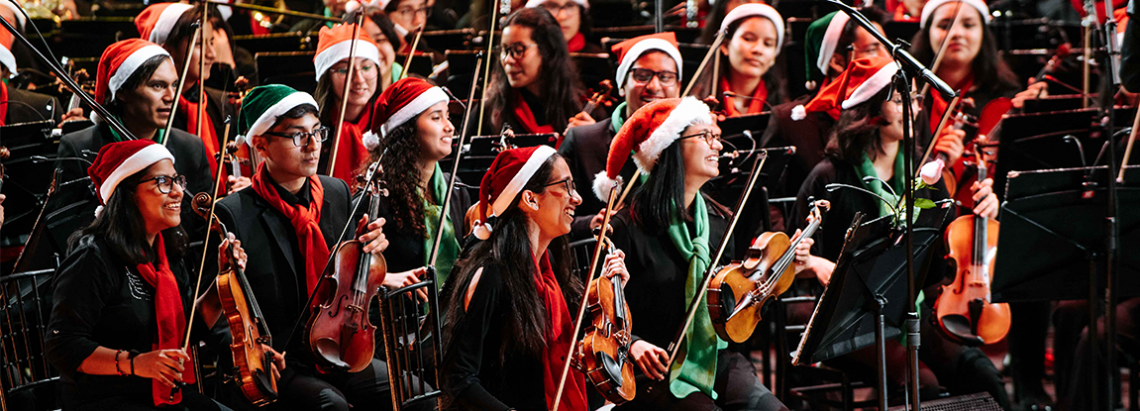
(907, 63)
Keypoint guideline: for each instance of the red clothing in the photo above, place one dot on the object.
(557, 341)
(526, 119)
(756, 104)
(305, 220)
(169, 315)
(350, 152)
(4, 101)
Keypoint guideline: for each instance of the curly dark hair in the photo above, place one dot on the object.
(401, 166)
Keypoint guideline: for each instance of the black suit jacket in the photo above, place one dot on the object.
(585, 149)
(72, 206)
(26, 106)
(808, 135)
(271, 244)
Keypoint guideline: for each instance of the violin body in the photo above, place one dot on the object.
(340, 335)
(964, 310)
(734, 281)
(254, 376)
(604, 350)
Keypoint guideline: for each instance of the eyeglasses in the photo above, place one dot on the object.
(708, 136)
(640, 75)
(410, 13)
(516, 50)
(166, 183)
(569, 8)
(567, 183)
(303, 139)
(368, 70)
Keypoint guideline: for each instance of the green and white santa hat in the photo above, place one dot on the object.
(820, 43)
(264, 104)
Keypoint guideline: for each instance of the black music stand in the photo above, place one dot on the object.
(293, 41)
(457, 39)
(27, 180)
(421, 65)
(729, 186)
(593, 67)
(291, 68)
(732, 128)
(1045, 141)
(480, 152)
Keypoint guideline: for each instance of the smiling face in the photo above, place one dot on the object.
(150, 103)
(177, 52)
(638, 94)
(556, 205)
(284, 160)
(410, 14)
(701, 159)
(434, 131)
(363, 84)
(892, 112)
(752, 49)
(965, 38)
(159, 211)
(387, 51)
(523, 70)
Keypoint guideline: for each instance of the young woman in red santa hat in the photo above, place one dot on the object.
(509, 301)
(123, 295)
(669, 233)
(867, 142)
(754, 36)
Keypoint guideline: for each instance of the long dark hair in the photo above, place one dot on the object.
(654, 201)
(857, 130)
(774, 79)
(508, 249)
(121, 226)
(558, 73)
(402, 168)
(989, 69)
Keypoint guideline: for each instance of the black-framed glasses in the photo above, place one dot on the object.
(567, 183)
(411, 13)
(707, 135)
(301, 138)
(166, 183)
(641, 75)
(569, 8)
(515, 50)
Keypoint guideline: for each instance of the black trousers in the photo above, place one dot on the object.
(736, 386)
(305, 389)
(192, 400)
(1079, 390)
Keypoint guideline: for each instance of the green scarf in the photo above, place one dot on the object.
(328, 13)
(618, 118)
(449, 246)
(698, 369)
(397, 70)
(159, 135)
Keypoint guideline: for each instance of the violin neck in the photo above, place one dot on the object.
(590, 106)
(251, 301)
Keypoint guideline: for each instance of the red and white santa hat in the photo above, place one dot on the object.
(20, 19)
(862, 79)
(400, 102)
(119, 160)
(335, 44)
(648, 132)
(119, 62)
(7, 59)
(537, 3)
(932, 5)
(509, 174)
(744, 11)
(157, 21)
(630, 50)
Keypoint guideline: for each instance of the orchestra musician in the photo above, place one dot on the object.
(754, 36)
(867, 143)
(383, 33)
(288, 220)
(715, 17)
(331, 63)
(574, 18)
(649, 69)
(407, 15)
(509, 301)
(669, 233)
(123, 296)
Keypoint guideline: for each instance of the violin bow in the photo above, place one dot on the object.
(1131, 141)
(487, 68)
(938, 130)
(182, 82)
(942, 48)
(446, 206)
(757, 165)
(201, 32)
(344, 98)
(586, 293)
(704, 62)
(412, 52)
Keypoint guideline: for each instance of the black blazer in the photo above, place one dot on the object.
(271, 244)
(26, 106)
(586, 149)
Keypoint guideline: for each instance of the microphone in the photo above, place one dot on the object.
(41, 159)
(452, 95)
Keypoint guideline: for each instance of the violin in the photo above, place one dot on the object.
(964, 311)
(602, 97)
(340, 335)
(740, 289)
(247, 323)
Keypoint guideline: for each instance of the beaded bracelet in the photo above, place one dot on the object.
(118, 368)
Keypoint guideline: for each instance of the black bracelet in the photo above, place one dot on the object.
(132, 356)
(118, 368)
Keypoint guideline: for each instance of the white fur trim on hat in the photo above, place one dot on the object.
(370, 140)
(132, 63)
(642, 47)
(831, 39)
(872, 86)
(757, 10)
(166, 21)
(340, 51)
(422, 102)
(799, 112)
(138, 161)
(530, 4)
(603, 184)
(932, 5)
(689, 111)
(513, 188)
(11, 5)
(7, 59)
(266, 120)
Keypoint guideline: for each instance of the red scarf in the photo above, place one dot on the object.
(526, 118)
(756, 105)
(576, 43)
(169, 316)
(4, 101)
(189, 111)
(938, 105)
(350, 149)
(305, 220)
(557, 340)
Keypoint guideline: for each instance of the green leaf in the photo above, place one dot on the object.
(923, 203)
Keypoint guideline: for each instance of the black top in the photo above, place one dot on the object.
(809, 135)
(25, 106)
(586, 149)
(473, 376)
(275, 273)
(656, 288)
(216, 112)
(100, 300)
